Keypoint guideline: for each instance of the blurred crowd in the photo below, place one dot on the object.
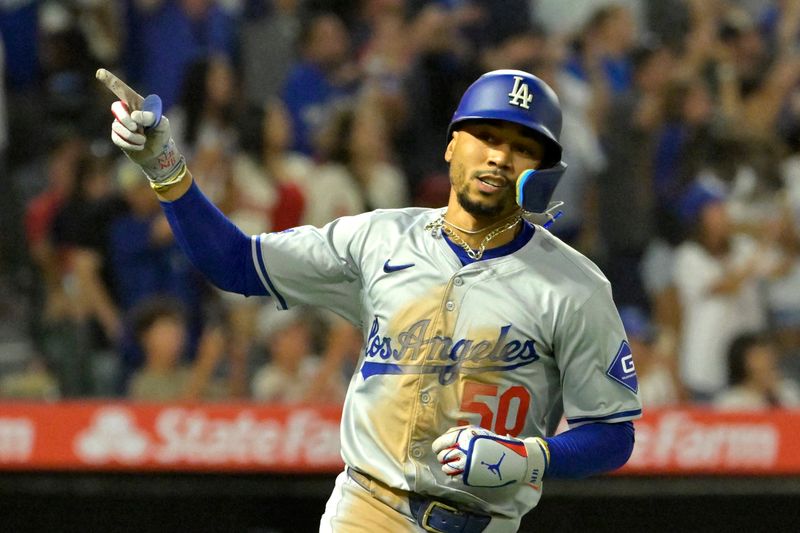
(681, 132)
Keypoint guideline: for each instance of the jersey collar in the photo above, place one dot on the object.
(493, 253)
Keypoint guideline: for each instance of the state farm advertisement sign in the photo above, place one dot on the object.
(697, 441)
(209, 437)
(305, 439)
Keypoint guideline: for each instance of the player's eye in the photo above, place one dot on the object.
(526, 151)
(487, 135)
(529, 151)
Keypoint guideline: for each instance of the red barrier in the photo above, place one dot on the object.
(263, 438)
(174, 437)
(698, 441)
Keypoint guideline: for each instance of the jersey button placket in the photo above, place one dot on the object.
(450, 305)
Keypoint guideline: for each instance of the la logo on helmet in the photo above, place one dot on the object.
(519, 95)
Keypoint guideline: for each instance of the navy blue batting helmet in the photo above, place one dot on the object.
(522, 98)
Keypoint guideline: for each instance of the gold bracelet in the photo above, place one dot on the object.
(174, 180)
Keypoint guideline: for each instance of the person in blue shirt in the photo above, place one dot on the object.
(189, 29)
(322, 77)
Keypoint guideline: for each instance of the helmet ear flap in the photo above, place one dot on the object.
(535, 187)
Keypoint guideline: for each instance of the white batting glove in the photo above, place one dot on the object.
(485, 459)
(144, 135)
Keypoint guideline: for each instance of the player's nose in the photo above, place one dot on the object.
(499, 156)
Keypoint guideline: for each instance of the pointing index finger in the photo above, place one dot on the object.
(120, 89)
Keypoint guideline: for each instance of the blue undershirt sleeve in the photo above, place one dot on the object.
(590, 449)
(213, 244)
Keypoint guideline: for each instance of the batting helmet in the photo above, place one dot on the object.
(522, 98)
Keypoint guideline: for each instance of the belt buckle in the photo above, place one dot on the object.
(431, 506)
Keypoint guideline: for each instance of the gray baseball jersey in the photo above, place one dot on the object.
(508, 343)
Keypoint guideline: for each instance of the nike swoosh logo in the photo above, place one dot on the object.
(394, 268)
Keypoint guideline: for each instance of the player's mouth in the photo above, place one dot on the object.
(490, 183)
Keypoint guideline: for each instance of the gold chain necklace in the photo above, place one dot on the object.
(442, 224)
(513, 217)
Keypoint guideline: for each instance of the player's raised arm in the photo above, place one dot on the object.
(145, 137)
(212, 243)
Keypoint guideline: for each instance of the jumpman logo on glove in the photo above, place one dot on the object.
(495, 468)
(464, 451)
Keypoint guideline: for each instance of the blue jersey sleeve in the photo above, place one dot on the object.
(590, 449)
(213, 244)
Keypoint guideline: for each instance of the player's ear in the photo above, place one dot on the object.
(448, 153)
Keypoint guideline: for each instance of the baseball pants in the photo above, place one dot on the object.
(354, 509)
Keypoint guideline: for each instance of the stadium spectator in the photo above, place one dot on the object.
(34, 382)
(145, 262)
(53, 317)
(268, 180)
(366, 88)
(265, 194)
(438, 75)
(371, 159)
(331, 190)
(356, 171)
(324, 75)
(340, 350)
(267, 39)
(717, 274)
(582, 147)
(290, 170)
(627, 226)
(385, 56)
(755, 378)
(80, 234)
(206, 122)
(680, 143)
(601, 51)
(189, 29)
(144, 257)
(783, 304)
(160, 327)
(292, 366)
(206, 113)
(763, 83)
(68, 80)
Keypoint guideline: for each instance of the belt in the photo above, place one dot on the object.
(432, 515)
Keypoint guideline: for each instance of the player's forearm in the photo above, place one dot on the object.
(213, 244)
(589, 450)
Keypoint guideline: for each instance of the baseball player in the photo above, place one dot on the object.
(481, 329)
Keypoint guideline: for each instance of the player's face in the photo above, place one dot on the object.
(485, 159)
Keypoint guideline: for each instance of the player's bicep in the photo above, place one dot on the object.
(598, 375)
(312, 266)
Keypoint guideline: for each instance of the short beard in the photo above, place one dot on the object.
(477, 209)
